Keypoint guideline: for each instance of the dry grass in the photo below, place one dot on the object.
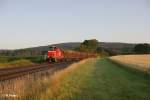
(140, 62)
(17, 63)
(13, 89)
(27, 87)
(55, 87)
(23, 88)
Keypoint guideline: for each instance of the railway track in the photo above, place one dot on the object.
(11, 73)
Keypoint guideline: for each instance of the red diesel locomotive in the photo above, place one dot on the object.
(55, 54)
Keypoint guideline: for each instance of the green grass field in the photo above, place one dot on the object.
(34, 59)
(20, 61)
(100, 79)
(16, 63)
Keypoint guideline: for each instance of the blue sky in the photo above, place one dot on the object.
(27, 23)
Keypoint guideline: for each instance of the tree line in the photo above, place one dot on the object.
(94, 46)
(142, 49)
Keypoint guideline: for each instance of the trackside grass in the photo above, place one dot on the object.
(98, 79)
(67, 84)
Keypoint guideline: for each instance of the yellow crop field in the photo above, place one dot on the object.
(140, 62)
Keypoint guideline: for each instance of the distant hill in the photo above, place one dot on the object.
(113, 47)
(72, 45)
(117, 47)
(65, 46)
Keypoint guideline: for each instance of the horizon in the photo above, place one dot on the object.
(69, 42)
(33, 23)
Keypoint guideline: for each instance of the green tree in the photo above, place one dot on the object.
(89, 46)
(92, 46)
(142, 48)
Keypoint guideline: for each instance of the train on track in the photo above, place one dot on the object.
(55, 54)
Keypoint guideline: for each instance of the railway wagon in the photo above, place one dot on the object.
(55, 54)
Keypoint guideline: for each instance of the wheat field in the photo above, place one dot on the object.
(140, 62)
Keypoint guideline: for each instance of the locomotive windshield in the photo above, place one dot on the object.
(52, 48)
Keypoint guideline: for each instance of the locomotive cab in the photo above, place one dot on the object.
(54, 54)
